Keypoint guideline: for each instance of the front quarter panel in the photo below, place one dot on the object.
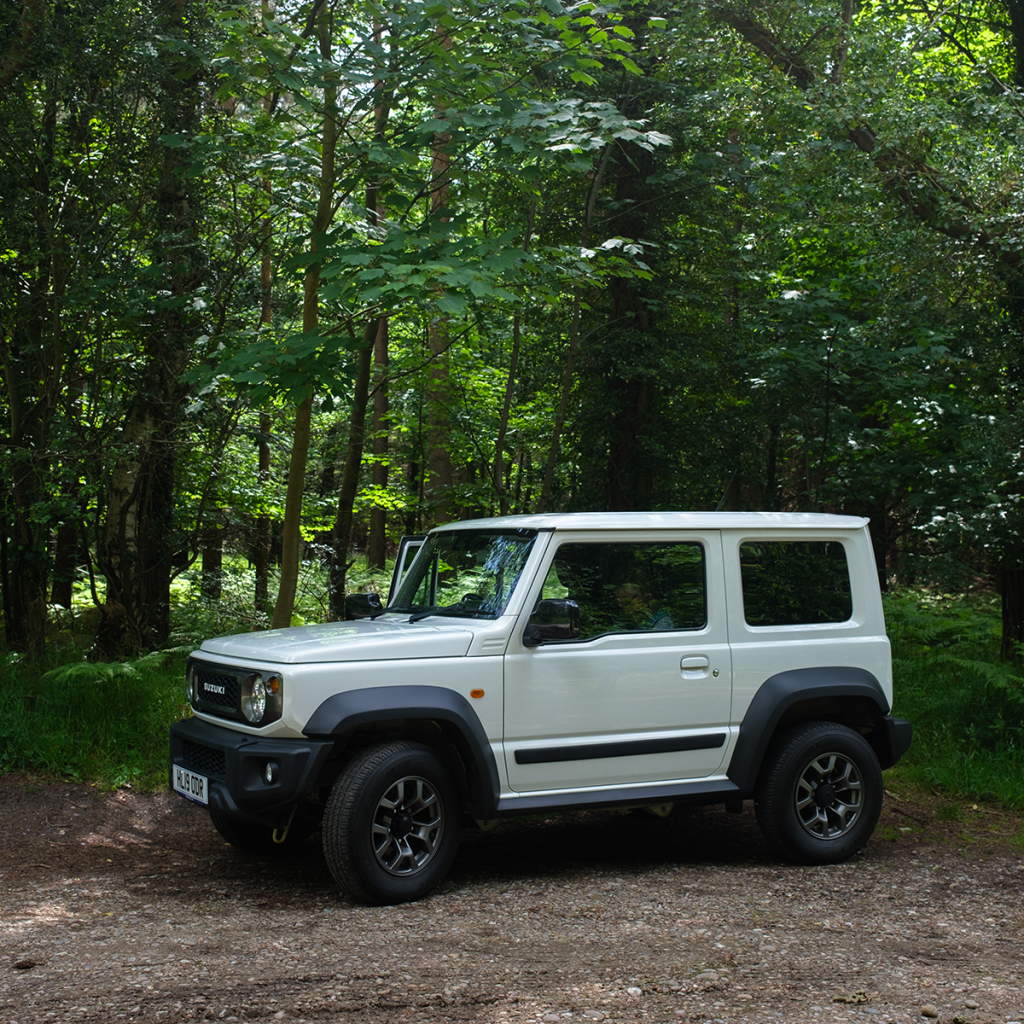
(353, 708)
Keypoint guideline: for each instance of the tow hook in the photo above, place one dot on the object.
(280, 835)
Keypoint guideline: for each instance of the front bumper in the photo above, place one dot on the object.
(234, 762)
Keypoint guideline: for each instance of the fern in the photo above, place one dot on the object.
(86, 672)
(999, 675)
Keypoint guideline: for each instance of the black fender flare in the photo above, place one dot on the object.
(351, 708)
(778, 693)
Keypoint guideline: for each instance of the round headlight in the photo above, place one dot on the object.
(190, 683)
(254, 698)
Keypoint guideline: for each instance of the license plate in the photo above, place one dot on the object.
(191, 786)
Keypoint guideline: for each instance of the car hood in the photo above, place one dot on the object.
(362, 640)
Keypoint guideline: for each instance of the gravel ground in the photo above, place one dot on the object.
(127, 907)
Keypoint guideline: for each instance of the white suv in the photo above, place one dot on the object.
(536, 663)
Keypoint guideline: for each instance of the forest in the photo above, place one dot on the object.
(281, 282)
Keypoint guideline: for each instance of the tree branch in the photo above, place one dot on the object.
(904, 173)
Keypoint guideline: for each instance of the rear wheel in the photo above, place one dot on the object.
(391, 826)
(820, 794)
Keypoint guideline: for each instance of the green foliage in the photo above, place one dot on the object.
(967, 707)
(761, 309)
(98, 722)
(493, 75)
(106, 722)
(196, 617)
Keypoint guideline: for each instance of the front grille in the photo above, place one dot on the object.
(217, 688)
(201, 759)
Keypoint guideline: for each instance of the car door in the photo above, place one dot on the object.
(643, 692)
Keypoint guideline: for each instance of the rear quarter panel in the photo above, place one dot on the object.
(759, 652)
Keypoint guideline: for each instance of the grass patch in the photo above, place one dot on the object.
(105, 723)
(966, 705)
(949, 812)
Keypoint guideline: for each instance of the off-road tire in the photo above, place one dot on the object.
(820, 793)
(392, 822)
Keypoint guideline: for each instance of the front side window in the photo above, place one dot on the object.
(627, 587)
(795, 583)
(465, 573)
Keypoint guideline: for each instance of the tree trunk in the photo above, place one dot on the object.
(498, 472)
(629, 336)
(30, 404)
(377, 543)
(261, 552)
(213, 563)
(33, 354)
(5, 570)
(291, 528)
(342, 534)
(291, 540)
(261, 541)
(440, 474)
(373, 345)
(138, 544)
(563, 406)
(62, 588)
(137, 550)
(770, 501)
(574, 329)
(377, 546)
(1010, 583)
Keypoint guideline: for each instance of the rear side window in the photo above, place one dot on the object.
(795, 583)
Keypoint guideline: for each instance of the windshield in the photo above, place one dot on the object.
(469, 573)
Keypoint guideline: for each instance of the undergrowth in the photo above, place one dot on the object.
(107, 722)
(967, 706)
(196, 618)
(102, 722)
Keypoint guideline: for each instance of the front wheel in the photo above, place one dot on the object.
(820, 794)
(392, 822)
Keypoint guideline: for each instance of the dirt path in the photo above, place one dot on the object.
(122, 907)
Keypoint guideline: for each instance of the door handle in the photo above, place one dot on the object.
(695, 661)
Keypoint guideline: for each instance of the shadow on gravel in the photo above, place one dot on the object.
(160, 843)
(625, 843)
(523, 849)
(540, 848)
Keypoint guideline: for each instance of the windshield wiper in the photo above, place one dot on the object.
(459, 608)
(423, 614)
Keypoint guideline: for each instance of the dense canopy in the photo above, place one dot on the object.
(280, 283)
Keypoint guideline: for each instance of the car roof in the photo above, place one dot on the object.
(664, 521)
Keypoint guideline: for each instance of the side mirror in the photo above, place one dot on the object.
(553, 619)
(363, 606)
